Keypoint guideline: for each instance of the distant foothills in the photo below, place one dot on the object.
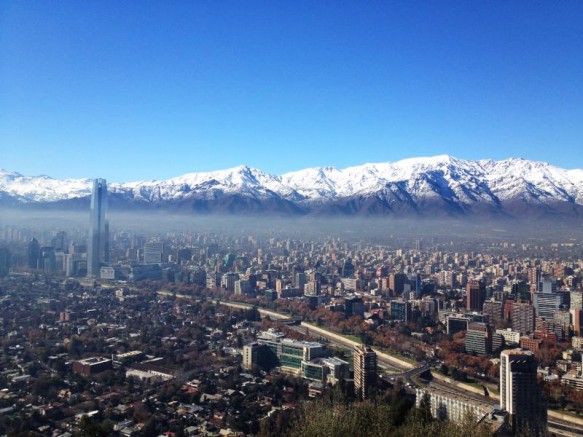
(439, 186)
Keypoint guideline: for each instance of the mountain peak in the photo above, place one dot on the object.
(441, 183)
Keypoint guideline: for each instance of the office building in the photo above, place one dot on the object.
(300, 280)
(273, 349)
(495, 309)
(401, 310)
(324, 370)
(353, 306)
(251, 353)
(475, 295)
(75, 264)
(546, 304)
(478, 339)
(4, 261)
(243, 286)
(48, 259)
(547, 285)
(228, 281)
(98, 252)
(58, 241)
(347, 269)
(522, 317)
(139, 272)
(520, 394)
(456, 323)
(33, 252)
(365, 370)
(153, 252)
(397, 283)
(302, 358)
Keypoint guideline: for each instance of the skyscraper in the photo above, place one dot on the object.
(519, 393)
(475, 295)
(365, 370)
(33, 253)
(4, 261)
(98, 235)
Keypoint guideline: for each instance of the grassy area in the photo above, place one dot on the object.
(397, 356)
(353, 338)
(570, 413)
(475, 384)
(325, 328)
(493, 388)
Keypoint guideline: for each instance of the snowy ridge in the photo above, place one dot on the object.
(414, 184)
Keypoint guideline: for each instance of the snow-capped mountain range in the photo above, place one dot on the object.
(439, 185)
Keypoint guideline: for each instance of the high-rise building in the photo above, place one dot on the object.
(495, 309)
(228, 281)
(48, 260)
(33, 254)
(523, 317)
(153, 252)
(576, 300)
(353, 306)
(4, 261)
(300, 280)
(547, 284)
(479, 339)
(98, 233)
(397, 283)
(534, 277)
(576, 321)
(58, 241)
(520, 394)
(347, 268)
(365, 370)
(401, 310)
(475, 295)
(546, 304)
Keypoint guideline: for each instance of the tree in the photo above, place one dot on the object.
(425, 409)
(88, 427)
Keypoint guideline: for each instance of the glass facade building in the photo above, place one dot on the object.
(98, 249)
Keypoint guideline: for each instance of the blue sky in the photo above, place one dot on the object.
(131, 90)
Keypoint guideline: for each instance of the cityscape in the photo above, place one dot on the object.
(291, 219)
(117, 331)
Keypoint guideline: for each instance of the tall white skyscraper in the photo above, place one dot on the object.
(519, 392)
(98, 250)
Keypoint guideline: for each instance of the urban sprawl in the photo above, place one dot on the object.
(188, 332)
